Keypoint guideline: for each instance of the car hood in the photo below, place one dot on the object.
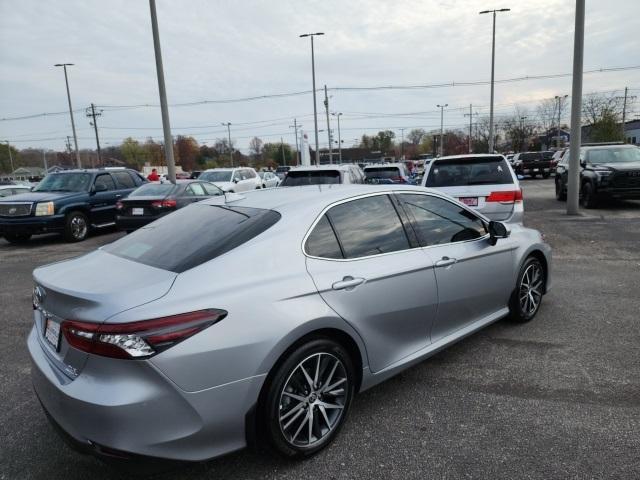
(98, 285)
(619, 166)
(42, 196)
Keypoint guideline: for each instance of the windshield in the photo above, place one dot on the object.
(383, 172)
(469, 171)
(216, 176)
(154, 190)
(613, 155)
(192, 236)
(65, 182)
(311, 177)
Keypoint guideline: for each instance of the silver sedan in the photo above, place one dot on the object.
(183, 339)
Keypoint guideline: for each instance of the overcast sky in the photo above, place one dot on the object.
(216, 50)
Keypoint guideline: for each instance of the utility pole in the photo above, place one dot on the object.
(295, 129)
(626, 98)
(69, 144)
(560, 99)
(44, 161)
(94, 124)
(313, 76)
(441, 107)
(284, 160)
(573, 183)
(493, 65)
(470, 115)
(524, 136)
(338, 115)
(228, 125)
(10, 155)
(166, 126)
(326, 109)
(73, 124)
(402, 144)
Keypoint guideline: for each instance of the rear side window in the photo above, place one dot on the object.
(469, 171)
(124, 179)
(193, 235)
(104, 182)
(437, 221)
(311, 177)
(211, 189)
(322, 242)
(368, 226)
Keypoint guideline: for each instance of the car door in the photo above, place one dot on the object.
(103, 200)
(361, 259)
(475, 278)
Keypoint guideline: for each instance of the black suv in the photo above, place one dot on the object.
(534, 163)
(606, 170)
(68, 202)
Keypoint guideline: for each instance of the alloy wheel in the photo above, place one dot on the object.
(78, 227)
(530, 293)
(313, 399)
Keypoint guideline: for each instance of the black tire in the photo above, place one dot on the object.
(17, 238)
(76, 227)
(533, 175)
(264, 186)
(546, 175)
(561, 195)
(521, 310)
(588, 197)
(285, 418)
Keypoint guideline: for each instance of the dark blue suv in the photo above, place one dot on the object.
(69, 202)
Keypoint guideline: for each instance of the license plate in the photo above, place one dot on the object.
(469, 201)
(52, 333)
(137, 211)
(536, 169)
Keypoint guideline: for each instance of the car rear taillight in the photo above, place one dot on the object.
(167, 203)
(138, 339)
(509, 196)
(119, 205)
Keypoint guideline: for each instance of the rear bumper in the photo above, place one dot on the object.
(32, 225)
(131, 408)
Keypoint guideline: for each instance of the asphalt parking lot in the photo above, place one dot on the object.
(556, 398)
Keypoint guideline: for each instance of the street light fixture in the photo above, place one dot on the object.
(493, 64)
(313, 76)
(338, 115)
(73, 124)
(228, 125)
(442, 107)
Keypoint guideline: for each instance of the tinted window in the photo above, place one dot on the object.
(368, 226)
(197, 189)
(216, 176)
(193, 235)
(439, 221)
(211, 189)
(104, 182)
(613, 155)
(322, 242)
(124, 179)
(383, 172)
(311, 177)
(65, 182)
(469, 171)
(153, 190)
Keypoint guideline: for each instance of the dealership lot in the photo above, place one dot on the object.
(556, 398)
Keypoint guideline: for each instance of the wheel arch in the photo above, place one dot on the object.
(541, 257)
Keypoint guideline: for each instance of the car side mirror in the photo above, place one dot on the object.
(99, 188)
(497, 230)
(236, 180)
(583, 164)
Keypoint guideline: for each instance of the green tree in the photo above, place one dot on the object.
(134, 154)
(5, 159)
(274, 153)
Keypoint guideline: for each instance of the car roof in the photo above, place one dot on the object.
(384, 165)
(607, 145)
(341, 167)
(307, 198)
(468, 156)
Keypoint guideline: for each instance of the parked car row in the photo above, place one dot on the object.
(534, 163)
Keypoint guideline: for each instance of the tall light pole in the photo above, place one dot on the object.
(73, 124)
(442, 107)
(326, 109)
(573, 183)
(10, 154)
(493, 65)
(338, 115)
(228, 125)
(166, 126)
(559, 99)
(313, 76)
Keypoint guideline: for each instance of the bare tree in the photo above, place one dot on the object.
(597, 106)
(256, 147)
(416, 135)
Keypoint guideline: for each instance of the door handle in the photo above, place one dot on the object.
(118, 195)
(445, 262)
(347, 283)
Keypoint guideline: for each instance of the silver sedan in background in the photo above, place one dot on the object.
(183, 339)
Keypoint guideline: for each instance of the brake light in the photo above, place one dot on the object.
(119, 205)
(167, 203)
(138, 339)
(510, 196)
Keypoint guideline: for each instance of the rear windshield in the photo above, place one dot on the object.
(282, 169)
(469, 171)
(216, 176)
(311, 177)
(154, 190)
(530, 157)
(193, 235)
(382, 172)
